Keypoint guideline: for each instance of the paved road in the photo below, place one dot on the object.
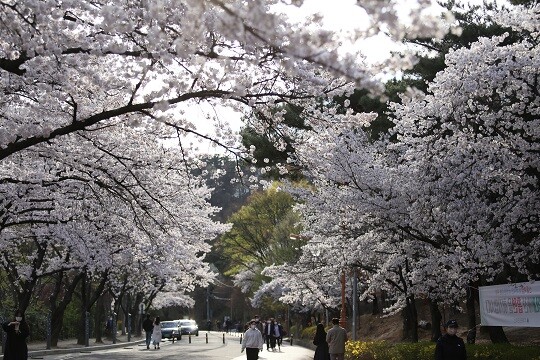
(198, 349)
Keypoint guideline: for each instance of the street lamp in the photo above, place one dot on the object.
(343, 312)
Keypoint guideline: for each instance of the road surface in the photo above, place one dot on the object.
(197, 349)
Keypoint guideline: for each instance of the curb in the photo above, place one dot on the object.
(84, 349)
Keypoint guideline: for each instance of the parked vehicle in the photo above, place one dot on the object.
(189, 327)
(171, 330)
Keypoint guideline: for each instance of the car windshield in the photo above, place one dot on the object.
(168, 324)
(187, 322)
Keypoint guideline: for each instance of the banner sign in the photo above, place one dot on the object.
(510, 305)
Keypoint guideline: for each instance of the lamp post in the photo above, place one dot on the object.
(343, 313)
(354, 304)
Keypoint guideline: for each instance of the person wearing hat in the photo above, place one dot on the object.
(450, 346)
(253, 341)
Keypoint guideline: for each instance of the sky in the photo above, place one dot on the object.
(338, 15)
(345, 15)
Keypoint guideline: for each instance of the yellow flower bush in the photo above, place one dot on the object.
(366, 350)
(381, 350)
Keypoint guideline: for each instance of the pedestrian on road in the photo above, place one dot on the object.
(259, 324)
(253, 341)
(336, 339)
(109, 327)
(281, 334)
(156, 332)
(321, 352)
(450, 346)
(16, 333)
(148, 327)
(271, 333)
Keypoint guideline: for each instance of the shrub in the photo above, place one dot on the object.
(367, 350)
(309, 332)
(421, 350)
(380, 350)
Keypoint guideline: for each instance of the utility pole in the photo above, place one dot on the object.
(343, 317)
(207, 304)
(354, 303)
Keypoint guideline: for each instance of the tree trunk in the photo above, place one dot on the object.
(125, 313)
(89, 296)
(25, 295)
(497, 335)
(57, 320)
(136, 319)
(58, 308)
(471, 315)
(99, 320)
(375, 305)
(413, 315)
(410, 320)
(436, 318)
(81, 336)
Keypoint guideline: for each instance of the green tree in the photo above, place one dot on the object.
(260, 234)
(275, 144)
(222, 175)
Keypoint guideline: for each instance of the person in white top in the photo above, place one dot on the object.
(156, 332)
(253, 341)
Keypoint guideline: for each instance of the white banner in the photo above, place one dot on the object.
(510, 305)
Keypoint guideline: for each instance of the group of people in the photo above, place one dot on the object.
(152, 329)
(331, 345)
(273, 333)
(257, 333)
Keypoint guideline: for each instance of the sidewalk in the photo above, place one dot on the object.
(39, 348)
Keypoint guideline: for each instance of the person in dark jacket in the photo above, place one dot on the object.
(321, 352)
(271, 334)
(16, 333)
(148, 326)
(450, 346)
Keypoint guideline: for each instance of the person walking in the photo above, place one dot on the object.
(16, 333)
(321, 351)
(279, 331)
(253, 341)
(450, 346)
(148, 327)
(271, 333)
(336, 338)
(259, 324)
(156, 332)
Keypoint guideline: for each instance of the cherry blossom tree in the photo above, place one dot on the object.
(91, 91)
(69, 66)
(452, 200)
(106, 214)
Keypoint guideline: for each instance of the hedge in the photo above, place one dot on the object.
(381, 350)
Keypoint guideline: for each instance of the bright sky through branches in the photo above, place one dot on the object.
(341, 16)
(344, 16)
